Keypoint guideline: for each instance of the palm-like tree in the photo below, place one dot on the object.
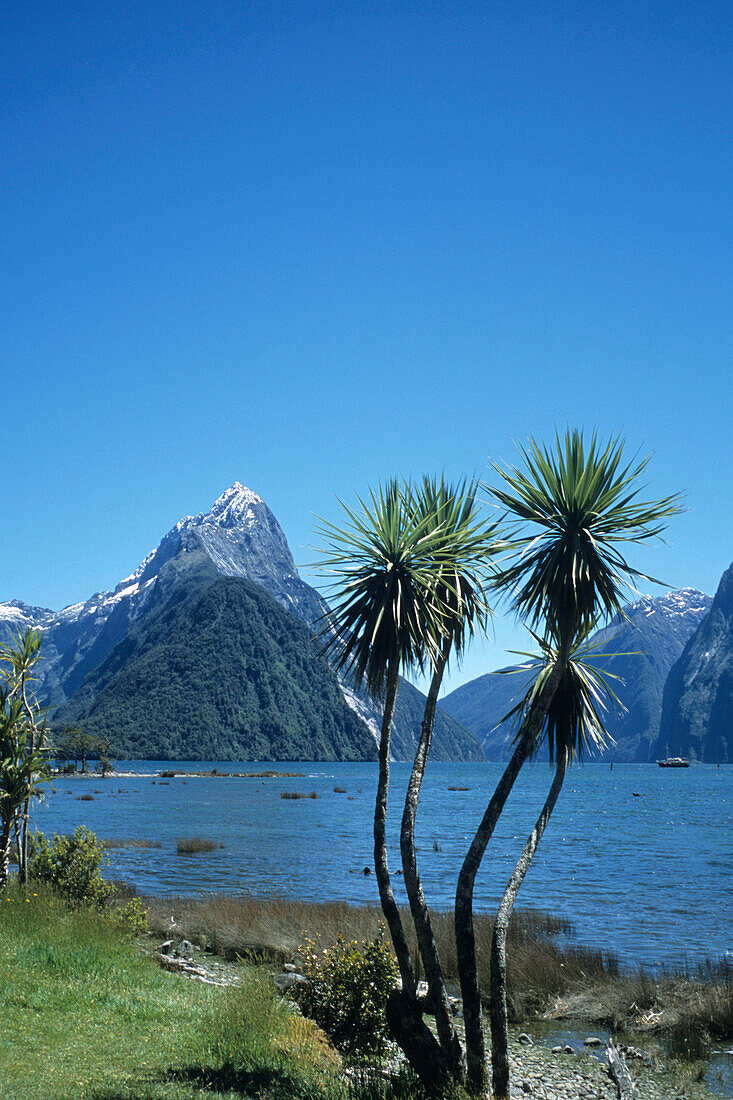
(573, 509)
(17, 671)
(383, 621)
(573, 726)
(22, 771)
(466, 546)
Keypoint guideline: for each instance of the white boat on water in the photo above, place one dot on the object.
(674, 762)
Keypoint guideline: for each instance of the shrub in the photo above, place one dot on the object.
(347, 991)
(132, 918)
(70, 866)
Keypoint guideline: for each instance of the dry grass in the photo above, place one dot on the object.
(190, 845)
(270, 929)
(128, 842)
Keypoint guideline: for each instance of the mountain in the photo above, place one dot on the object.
(697, 709)
(222, 672)
(646, 642)
(239, 538)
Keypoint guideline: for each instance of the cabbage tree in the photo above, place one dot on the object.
(574, 726)
(22, 772)
(573, 509)
(467, 544)
(18, 661)
(383, 620)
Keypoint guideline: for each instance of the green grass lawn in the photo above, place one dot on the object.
(84, 1015)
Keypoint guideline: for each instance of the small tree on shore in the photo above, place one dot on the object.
(24, 735)
(22, 774)
(74, 744)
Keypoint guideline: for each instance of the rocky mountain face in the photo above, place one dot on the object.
(640, 648)
(239, 538)
(697, 709)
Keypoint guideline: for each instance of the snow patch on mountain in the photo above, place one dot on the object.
(364, 711)
(682, 601)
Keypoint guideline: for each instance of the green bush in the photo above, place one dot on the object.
(70, 866)
(347, 991)
(132, 918)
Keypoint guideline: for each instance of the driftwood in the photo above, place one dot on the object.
(619, 1073)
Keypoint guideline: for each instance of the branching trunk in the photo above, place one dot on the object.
(381, 866)
(418, 1043)
(498, 1012)
(465, 936)
(437, 992)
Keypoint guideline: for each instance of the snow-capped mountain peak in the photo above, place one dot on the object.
(681, 601)
(239, 535)
(237, 506)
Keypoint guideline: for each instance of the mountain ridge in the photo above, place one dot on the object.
(240, 537)
(641, 646)
(697, 707)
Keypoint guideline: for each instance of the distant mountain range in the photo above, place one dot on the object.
(206, 651)
(697, 709)
(641, 648)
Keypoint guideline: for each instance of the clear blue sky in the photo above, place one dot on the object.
(306, 246)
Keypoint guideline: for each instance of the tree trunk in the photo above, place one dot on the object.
(381, 867)
(418, 1043)
(498, 1010)
(465, 936)
(23, 837)
(437, 992)
(4, 854)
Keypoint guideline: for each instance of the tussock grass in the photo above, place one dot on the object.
(273, 928)
(257, 928)
(190, 845)
(128, 842)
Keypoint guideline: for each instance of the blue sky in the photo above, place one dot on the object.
(307, 246)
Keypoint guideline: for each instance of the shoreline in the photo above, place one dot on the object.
(553, 988)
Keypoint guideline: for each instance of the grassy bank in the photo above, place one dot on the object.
(83, 1016)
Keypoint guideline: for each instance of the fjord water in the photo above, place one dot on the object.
(638, 857)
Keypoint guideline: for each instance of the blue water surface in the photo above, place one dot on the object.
(638, 857)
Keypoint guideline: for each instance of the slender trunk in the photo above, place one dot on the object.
(465, 936)
(437, 992)
(498, 1011)
(381, 867)
(404, 1017)
(4, 854)
(23, 838)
